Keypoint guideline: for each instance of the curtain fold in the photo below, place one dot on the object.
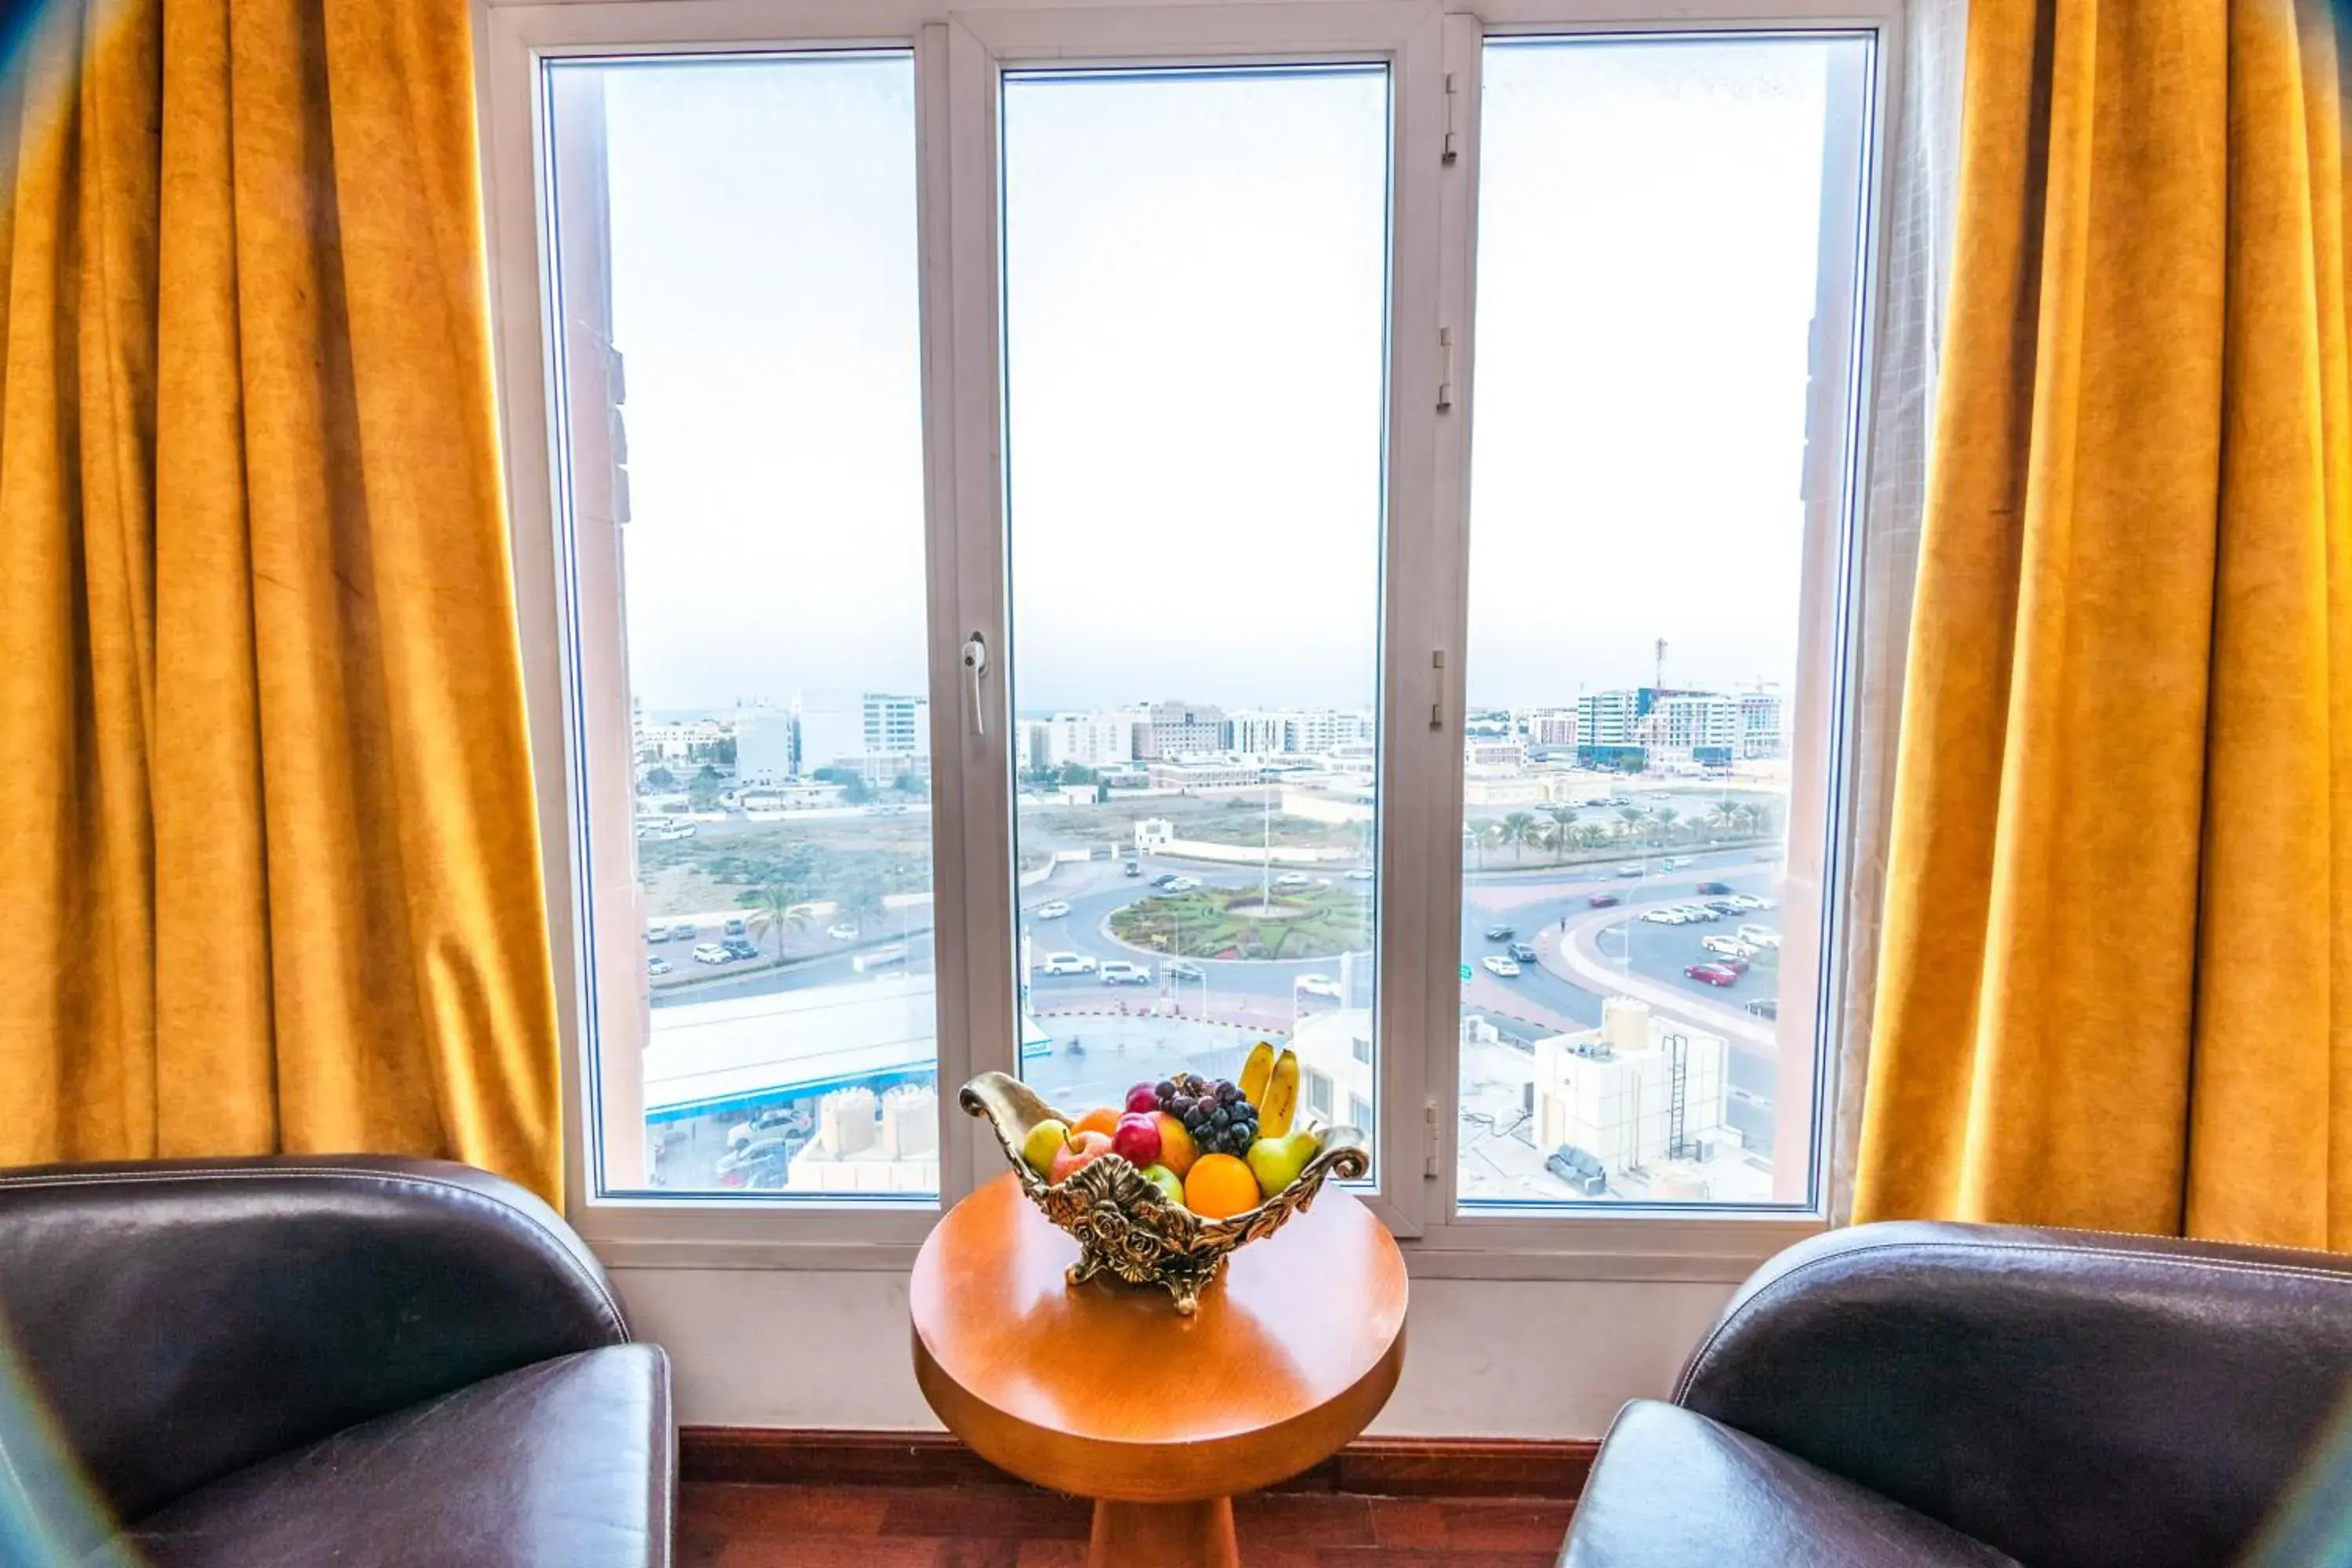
(266, 837)
(2116, 986)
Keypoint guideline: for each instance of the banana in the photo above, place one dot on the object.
(1274, 1118)
(1254, 1072)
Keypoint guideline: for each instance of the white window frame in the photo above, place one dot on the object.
(568, 596)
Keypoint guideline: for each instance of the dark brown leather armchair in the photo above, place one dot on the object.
(1947, 1394)
(283, 1362)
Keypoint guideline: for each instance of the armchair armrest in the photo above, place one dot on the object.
(2066, 1396)
(183, 1318)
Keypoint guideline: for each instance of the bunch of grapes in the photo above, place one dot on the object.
(1220, 1121)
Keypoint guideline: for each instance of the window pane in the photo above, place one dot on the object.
(743, 233)
(1195, 312)
(1665, 248)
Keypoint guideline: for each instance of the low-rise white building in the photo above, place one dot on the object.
(1639, 1093)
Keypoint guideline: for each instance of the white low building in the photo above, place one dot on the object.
(1640, 1094)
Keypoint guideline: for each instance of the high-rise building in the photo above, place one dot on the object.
(1685, 723)
(896, 726)
(1172, 730)
(1101, 737)
(1547, 726)
(1763, 722)
(1607, 718)
(763, 745)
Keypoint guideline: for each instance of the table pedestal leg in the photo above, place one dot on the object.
(1163, 1535)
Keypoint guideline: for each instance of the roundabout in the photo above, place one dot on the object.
(1244, 924)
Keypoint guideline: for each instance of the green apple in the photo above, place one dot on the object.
(1277, 1162)
(1168, 1182)
(1045, 1141)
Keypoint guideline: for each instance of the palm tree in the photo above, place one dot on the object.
(773, 906)
(1631, 815)
(1518, 832)
(1666, 815)
(1563, 829)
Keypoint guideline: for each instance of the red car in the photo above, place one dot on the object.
(1602, 900)
(1713, 973)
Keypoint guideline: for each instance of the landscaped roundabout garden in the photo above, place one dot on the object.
(1241, 923)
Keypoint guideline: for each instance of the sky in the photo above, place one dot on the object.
(1195, 322)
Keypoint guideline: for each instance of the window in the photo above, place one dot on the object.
(1666, 245)
(746, 235)
(1090, 536)
(1195, 574)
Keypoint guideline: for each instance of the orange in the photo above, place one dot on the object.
(1220, 1187)
(1104, 1120)
(1177, 1149)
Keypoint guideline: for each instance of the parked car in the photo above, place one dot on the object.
(1629, 870)
(1715, 887)
(1501, 933)
(1120, 972)
(761, 1163)
(658, 931)
(1524, 952)
(1130, 868)
(1736, 965)
(1320, 985)
(1183, 884)
(656, 964)
(1727, 946)
(1067, 963)
(841, 930)
(1360, 874)
(732, 928)
(1052, 910)
(738, 947)
(1580, 1170)
(1765, 1006)
(1293, 879)
(1666, 915)
(1712, 974)
(1746, 902)
(1495, 963)
(1699, 912)
(1762, 936)
(776, 1118)
(1184, 969)
(709, 953)
(1604, 900)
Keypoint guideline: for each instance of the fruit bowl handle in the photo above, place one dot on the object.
(1347, 1153)
(1011, 1107)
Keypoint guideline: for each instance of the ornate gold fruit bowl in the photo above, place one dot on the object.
(1125, 1225)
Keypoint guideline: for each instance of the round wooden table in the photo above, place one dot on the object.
(1102, 1391)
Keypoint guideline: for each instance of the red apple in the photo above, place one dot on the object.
(1136, 1139)
(1083, 1149)
(1143, 1097)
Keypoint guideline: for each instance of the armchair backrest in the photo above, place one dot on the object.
(185, 1319)
(2075, 1399)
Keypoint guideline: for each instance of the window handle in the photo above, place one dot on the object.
(975, 663)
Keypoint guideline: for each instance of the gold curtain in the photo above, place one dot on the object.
(2115, 988)
(269, 864)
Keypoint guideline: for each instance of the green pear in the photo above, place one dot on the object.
(1277, 1162)
(1168, 1182)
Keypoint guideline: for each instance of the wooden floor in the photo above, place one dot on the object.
(987, 1526)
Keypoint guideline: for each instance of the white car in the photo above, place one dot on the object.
(1762, 936)
(1728, 946)
(709, 953)
(1495, 963)
(1629, 870)
(1746, 901)
(1360, 874)
(1293, 879)
(841, 930)
(1698, 912)
(656, 964)
(1668, 916)
(1052, 910)
(1067, 963)
(1120, 972)
(1320, 985)
(1183, 884)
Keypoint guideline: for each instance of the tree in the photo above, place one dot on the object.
(1078, 774)
(660, 778)
(773, 906)
(852, 782)
(908, 784)
(1666, 815)
(1518, 832)
(1563, 829)
(1629, 817)
(702, 790)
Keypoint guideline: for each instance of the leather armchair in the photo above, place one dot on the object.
(369, 1362)
(1933, 1394)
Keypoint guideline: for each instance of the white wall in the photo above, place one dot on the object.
(1483, 1358)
